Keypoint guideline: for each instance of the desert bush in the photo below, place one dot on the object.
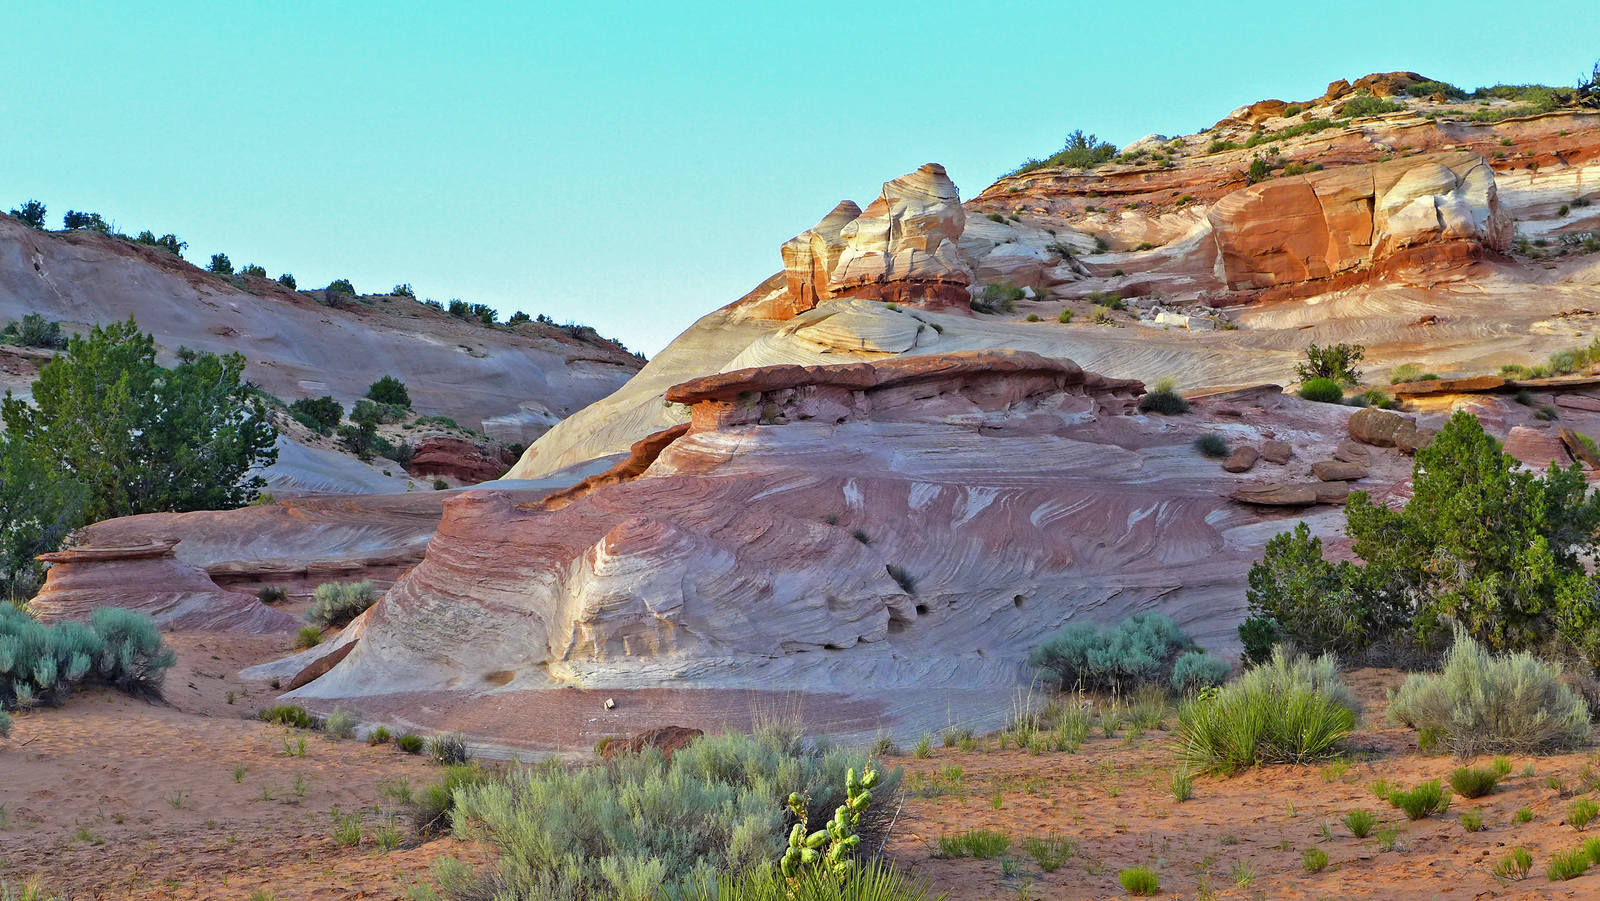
(1409, 372)
(167, 242)
(335, 604)
(1182, 784)
(1050, 853)
(1211, 445)
(1324, 391)
(340, 724)
(997, 298)
(379, 736)
(432, 812)
(341, 286)
(74, 220)
(308, 637)
(1473, 782)
(324, 413)
(1286, 710)
(449, 749)
(1514, 865)
(1360, 822)
(389, 390)
(1471, 820)
(30, 214)
(251, 269)
(1482, 703)
(287, 280)
(1566, 865)
(33, 330)
(1582, 813)
(1368, 105)
(271, 594)
(1139, 881)
(876, 880)
(409, 743)
(1294, 593)
(1081, 151)
(1165, 399)
(1428, 798)
(1335, 361)
(220, 264)
(1139, 650)
(288, 715)
(5, 724)
(1195, 670)
(1315, 860)
(982, 844)
(42, 664)
(1064, 317)
(672, 825)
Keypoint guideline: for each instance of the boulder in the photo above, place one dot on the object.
(1338, 471)
(1351, 452)
(1277, 495)
(1276, 451)
(666, 738)
(1384, 428)
(1579, 448)
(1242, 459)
(458, 458)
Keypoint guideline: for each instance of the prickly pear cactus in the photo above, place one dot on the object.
(834, 845)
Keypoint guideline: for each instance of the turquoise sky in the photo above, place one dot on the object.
(634, 166)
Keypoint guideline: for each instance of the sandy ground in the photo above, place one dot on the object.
(113, 797)
(1239, 837)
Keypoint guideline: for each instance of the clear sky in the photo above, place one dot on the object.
(635, 165)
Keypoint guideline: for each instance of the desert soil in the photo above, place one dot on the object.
(114, 797)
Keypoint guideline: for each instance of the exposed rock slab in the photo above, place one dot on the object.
(1338, 471)
(1242, 459)
(1276, 451)
(1474, 385)
(1385, 428)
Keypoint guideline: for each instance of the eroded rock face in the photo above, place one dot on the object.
(1313, 226)
(906, 527)
(902, 247)
(458, 458)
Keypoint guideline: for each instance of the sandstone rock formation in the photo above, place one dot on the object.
(902, 247)
(1314, 226)
(458, 458)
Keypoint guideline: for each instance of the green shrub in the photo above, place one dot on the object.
(335, 604)
(1139, 881)
(379, 736)
(1360, 822)
(271, 594)
(1582, 813)
(1165, 399)
(432, 812)
(1515, 865)
(340, 724)
(997, 298)
(1567, 865)
(1335, 361)
(1315, 860)
(168, 242)
(1473, 782)
(288, 715)
(220, 264)
(1286, 710)
(1081, 151)
(983, 844)
(875, 880)
(287, 280)
(1428, 798)
(1294, 593)
(1324, 391)
(1064, 317)
(409, 743)
(1182, 784)
(74, 220)
(714, 808)
(1368, 105)
(251, 269)
(1195, 670)
(324, 412)
(1481, 703)
(1408, 372)
(389, 390)
(42, 664)
(33, 330)
(1523, 815)
(1050, 853)
(1471, 820)
(448, 750)
(1211, 445)
(1139, 650)
(341, 286)
(30, 214)
(5, 724)
(308, 637)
